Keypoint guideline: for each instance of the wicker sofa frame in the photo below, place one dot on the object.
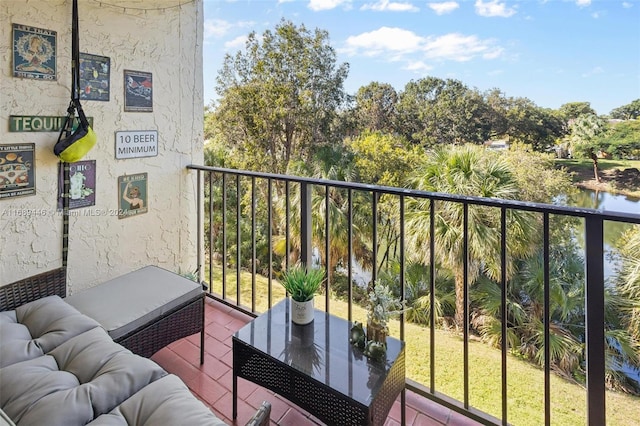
(182, 321)
(48, 283)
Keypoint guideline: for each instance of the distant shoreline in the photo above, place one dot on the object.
(622, 182)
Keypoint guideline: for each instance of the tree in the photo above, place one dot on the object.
(383, 159)
(573, 110)
(376, 107)
(630, 111)
(432, 111)
(337, 215)
(584, 130)
(630, 278)
(467, 170)
(279, 97)
(532, 125)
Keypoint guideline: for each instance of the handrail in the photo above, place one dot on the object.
(594, 270)
(490, 202)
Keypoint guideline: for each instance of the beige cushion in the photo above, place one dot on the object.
(164, 402)
(88, 375)
(132, 300)
(35, 328)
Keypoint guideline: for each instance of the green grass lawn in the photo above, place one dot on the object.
(525, 381)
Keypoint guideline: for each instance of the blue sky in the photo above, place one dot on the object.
(550, 51)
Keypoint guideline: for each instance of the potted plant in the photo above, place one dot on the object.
(302, 284)
(383, 305)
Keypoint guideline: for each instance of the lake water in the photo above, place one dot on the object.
(612, 231)
(606, 201)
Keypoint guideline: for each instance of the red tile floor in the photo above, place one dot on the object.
(212, 382)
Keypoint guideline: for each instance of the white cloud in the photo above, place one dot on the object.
(627, 5)
(390, 6)
(237, 43)
(216, 28)
(495, 8)
(318, 5)
(583, 3)
(444, 7)
(385, 39)
(397, 44)
(418, 67)
(461, 48)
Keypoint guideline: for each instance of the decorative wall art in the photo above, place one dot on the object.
(82, 184)
(138, 91)
(132, 195)
(94, 77)
(17, 170)
(34, 53)
(39, 123)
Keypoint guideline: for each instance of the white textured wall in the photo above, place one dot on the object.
(167, 43)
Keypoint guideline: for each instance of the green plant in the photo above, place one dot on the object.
(302, 283)
(383, 306)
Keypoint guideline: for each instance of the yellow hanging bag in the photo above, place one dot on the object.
(73, 145)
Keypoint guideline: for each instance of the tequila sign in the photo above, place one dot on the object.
(39, 123)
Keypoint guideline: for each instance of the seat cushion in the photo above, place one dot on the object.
(167, 401)
(88, 375)
(38, 327)
(133, 300)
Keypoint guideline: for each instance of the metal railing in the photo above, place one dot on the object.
(256, 194)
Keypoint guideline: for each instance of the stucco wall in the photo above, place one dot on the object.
(165, 41)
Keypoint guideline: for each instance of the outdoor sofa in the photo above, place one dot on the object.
(59, 366)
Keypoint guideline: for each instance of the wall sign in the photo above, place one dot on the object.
(34, 53)
(132, 195)
(82, 184)
(17, 170)
(94, 77)
(39, 123)
(136, 144)
(138, 91)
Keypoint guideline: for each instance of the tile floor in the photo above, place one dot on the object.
(212, 382)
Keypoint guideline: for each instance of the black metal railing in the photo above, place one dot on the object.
(257, 198)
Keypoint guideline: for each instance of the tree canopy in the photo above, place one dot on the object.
(279, 96)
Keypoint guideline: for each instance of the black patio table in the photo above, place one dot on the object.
(315, 367)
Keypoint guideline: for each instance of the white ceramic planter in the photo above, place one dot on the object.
(301, 312)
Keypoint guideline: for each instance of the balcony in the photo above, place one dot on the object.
(211, 382)
(240, 208)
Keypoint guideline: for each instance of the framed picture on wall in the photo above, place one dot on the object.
(34, 53)
(82, 184)
(94, 77)
(138, 91)
(132, 195)
(17, 170)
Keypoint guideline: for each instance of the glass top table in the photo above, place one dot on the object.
(317, 368)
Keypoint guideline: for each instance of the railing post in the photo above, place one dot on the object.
(594, 307)
(305, 224)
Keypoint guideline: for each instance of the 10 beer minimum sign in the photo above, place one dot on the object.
(136, 144)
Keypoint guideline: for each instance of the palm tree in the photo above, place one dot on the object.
(630, 278)
(525, 306)
(337, 215)
(467, 170)
(417, 292)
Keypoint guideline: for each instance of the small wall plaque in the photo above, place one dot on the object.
(136, 144)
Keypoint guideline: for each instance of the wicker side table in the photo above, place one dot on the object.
(315, 367)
